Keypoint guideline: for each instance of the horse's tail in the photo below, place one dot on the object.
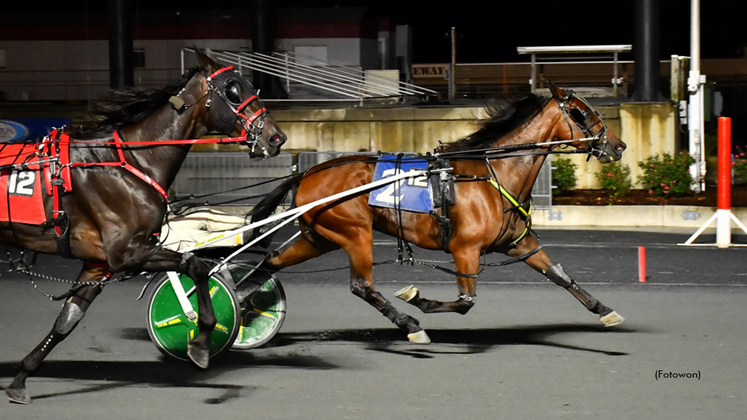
(267, 206)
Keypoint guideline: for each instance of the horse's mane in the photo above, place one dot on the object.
(505, 116)
(118, 108)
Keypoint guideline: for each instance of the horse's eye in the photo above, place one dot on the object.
(233, 92)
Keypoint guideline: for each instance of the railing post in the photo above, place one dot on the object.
(614, 76)
(533, 76)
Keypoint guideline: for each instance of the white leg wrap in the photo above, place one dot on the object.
(69, 317)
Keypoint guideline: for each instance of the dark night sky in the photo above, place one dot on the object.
(490, 31)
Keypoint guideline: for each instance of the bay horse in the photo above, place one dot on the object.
(493, 172)
(110, 211)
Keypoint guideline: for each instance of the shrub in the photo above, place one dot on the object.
(563, 176)
(615, 179)
(739, 166)
(668, 175)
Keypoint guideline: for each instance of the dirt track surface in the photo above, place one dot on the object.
(526, 350)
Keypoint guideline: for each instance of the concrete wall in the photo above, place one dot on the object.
(420, 129)
(652, 126)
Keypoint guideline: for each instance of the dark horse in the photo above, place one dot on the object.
(494, 170)
(113, 214)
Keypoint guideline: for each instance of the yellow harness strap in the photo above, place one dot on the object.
(526, 215)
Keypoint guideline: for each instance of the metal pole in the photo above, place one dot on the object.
(614, 77)
(121, 70)
(533, 79)
(452, 68)
(695, 112)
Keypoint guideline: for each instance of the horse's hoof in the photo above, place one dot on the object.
(612, 319)
(407, 293)
(18, 395)
(419, 337)
(200, 357)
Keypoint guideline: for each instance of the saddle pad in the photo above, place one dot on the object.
(20, 190)
(411, 194)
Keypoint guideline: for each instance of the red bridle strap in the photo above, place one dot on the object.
(219, 72)
(245, 104)
(254, 116)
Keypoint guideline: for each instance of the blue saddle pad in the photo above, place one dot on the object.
(411, 194)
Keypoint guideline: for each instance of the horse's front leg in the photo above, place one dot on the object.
(165, 260)
(467, 263)
(555, 273)
(72, 312)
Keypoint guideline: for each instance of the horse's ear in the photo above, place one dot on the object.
(206, 60)
(557, 93)
(211, 54)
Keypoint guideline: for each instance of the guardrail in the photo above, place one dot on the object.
(229, 172)
(328, 80)
(584, 50)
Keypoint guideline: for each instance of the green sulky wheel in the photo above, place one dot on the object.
(262, 313)
(171, 330)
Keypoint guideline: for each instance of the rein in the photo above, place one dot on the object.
(222, 140)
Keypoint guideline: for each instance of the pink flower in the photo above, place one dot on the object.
(650, 192)
(662, 184)
(609, 174)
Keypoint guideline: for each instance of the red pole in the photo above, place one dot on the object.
(724, 163)
(641, 264)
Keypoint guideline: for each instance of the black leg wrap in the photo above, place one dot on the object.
(464, 304)
(557, 275)
(403, 321)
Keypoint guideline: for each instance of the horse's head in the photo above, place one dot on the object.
(582, 122)
(235, 109)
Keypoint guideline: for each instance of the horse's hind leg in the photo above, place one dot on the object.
(72, 312)
(555, 273)
(467, 262)
(361, 284)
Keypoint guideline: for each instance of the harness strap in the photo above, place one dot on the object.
(124, 164)
(523, 213)
(60, 219)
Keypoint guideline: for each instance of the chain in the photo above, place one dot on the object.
(22, 266)
(75, 283)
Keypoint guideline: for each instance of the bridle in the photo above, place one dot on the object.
(228, 92)
(583, 119)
